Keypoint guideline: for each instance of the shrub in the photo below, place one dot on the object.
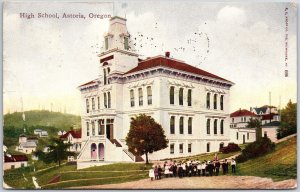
(231, 147)
(256, 149)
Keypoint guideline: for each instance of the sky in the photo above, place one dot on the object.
(45, 60)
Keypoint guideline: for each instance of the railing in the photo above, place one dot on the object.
(83, 148)
(129, 154)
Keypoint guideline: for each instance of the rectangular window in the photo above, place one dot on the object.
(189, 148)
(101, 127)
(221, 102)
(172, 125)
(93, 104)
(190, 124)
(181, 96)
(131, 98)
(22, 164)
(12, 166)
(140, 96)
(181, 125)
(87, 129)
(247, 136)
(265, 134)
(171, 148)
(98, 98)
(106, 43)
(105, 100)
(126, 45)
(149, 95)
(189, 97)
(87, 106)
(215, 101)
(93, 128)
(181, 148)
(172, 95)
(237, 135)
(109, 100)
(208, 100)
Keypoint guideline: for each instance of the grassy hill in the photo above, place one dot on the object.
(46, 120)
(278, 165)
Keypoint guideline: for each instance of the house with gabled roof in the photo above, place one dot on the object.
(73, 137)
(14, 161)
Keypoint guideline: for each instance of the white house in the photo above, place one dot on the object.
(41, 133)
(266, 113)
(270, 130)
(73, 137)
(15, 161)
(61, 132)
(192, 105)
(239, 132)
(27, 144)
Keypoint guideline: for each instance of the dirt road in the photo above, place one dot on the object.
(217, 182)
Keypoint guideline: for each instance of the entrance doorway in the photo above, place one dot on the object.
(93, 151)
(109, 129)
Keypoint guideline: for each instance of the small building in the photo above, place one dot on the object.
(41, 132)
(74, 137)
(61, 132)
(27, 147)
(239, 132)
(44, 134)
(266, 113)
(46, 149)
(15, 161)
(270, 130)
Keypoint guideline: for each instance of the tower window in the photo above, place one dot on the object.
(109, 100)
(105, 100)
(87, 106)
(126, 46)
(98, 98)
(104, 77)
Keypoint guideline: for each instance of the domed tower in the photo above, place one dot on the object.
(117, 55)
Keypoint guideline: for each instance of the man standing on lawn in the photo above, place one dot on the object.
(233, 166)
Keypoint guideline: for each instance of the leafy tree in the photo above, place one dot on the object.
(58, 151)
(145, 136)
(256, 123)
(288, 123)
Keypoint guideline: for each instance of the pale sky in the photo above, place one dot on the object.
(45, 60)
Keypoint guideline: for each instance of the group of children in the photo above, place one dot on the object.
(192, 168)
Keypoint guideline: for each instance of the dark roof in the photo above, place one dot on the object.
(262, 109)
(88, 83)
(74, 133)
(171, 63)
(272, 124)
(242, 112)
(15, 158)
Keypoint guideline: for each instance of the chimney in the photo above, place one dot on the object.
(167, 54)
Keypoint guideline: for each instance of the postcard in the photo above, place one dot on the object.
(149, 95)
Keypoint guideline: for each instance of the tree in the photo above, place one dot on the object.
(256, 123)
(58, 151)
(288, 123)
(145, 136)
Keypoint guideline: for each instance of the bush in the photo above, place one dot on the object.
(256, 149)
(231, 147)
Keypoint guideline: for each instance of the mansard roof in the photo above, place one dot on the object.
(174, 64)
(241, 113)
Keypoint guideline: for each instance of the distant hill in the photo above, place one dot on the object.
(51, 122)
(42, 118)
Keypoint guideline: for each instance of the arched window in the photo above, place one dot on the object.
(93, 128)
(190, 124)
(181, 125)
(109, 100)
(105, 100)
(104, 76)
(221, 102)
(208, 126)
(131, 98)
(87, 129)
(93, 104)
(140, 96)
(87, 105)
(215, 126)
(181, 96)
(172, 125)
(149, 95)
(208, 147)
(172, 95)
(215, 101)
(189, 96)
(222, 127)
(208, 100)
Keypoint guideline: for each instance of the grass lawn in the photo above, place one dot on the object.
(19, 178)
(278, 165)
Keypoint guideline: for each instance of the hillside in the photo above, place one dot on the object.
(46, 120)
(278, 165)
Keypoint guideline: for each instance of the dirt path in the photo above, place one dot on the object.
(217, 182)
